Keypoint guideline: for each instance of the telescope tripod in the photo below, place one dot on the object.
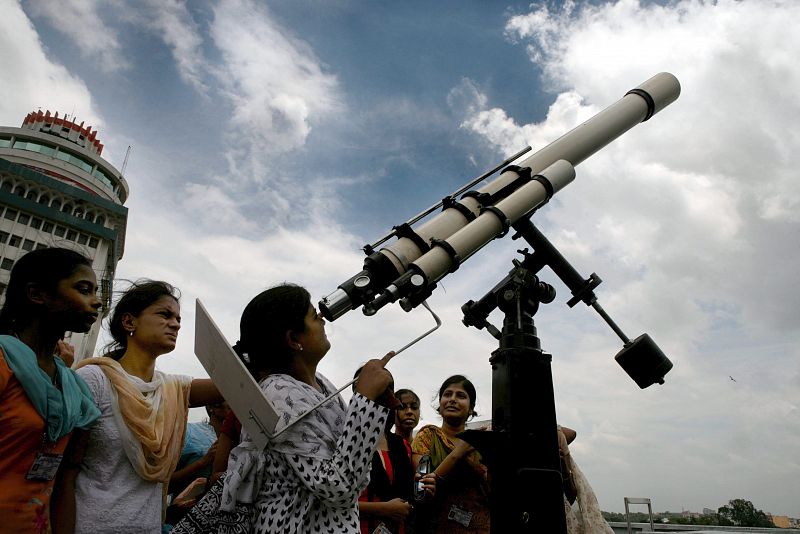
(521, 450)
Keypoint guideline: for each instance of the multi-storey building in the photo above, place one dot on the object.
(57, 190)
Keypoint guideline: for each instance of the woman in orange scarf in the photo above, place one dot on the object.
(117, 482)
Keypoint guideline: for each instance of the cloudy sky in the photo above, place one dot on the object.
(271, 140)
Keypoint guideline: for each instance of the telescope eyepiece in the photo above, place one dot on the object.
(335, 305)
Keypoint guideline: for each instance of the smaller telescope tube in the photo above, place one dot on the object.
(447, 254)
(436, 263)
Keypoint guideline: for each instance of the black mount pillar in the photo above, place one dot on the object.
(521, 450)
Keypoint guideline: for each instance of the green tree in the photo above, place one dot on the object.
(742, 513)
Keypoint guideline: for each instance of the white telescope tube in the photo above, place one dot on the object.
(575, 146)
(638, 105)
(584, 140)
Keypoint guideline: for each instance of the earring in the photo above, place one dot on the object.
(299, 347)
(130, 333)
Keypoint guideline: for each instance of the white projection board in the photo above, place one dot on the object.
(232, 379)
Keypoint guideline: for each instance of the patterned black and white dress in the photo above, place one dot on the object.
(307, 479)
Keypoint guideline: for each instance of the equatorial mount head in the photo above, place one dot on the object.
(524, 292)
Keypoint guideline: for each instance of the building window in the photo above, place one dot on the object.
(44, 199)
(31, 195)
(72, 235)
(40, 246)
(6, 186)
(100, 175)
(19, 191)
(47, 227)
(66, 208)
(4, 143)
(74, 160)
(4, 237)
(14, 241)
(36, 223)
(82, 239)
(100, 220)
(60, 230)
(27, 245)
(23, 218)
(34, 147)
(11, 215)
(93, 242)
(6, 264)
(56, 205)
(78, 213)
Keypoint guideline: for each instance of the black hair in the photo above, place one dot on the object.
(45, 267)
(262, 330)
(400, 392)
(468, 386)
(139, 295)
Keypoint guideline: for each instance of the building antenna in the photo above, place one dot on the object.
(125, 163)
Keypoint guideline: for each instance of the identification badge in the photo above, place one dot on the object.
(45, 466)
(462, 517)
(381, 529)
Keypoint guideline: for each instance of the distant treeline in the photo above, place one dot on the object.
(738, 512)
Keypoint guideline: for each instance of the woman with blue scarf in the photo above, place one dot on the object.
(51, 291)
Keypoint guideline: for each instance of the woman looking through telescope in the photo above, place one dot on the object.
(309, 477)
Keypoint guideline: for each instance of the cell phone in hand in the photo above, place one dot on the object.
(423, 468)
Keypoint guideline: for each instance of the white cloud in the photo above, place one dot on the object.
(80, 21)
(273, 90)
(705, 184)
(179, 31)
(98, 30)
(212, 200)
(691, 221)
(276, 86)
(31, 79)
